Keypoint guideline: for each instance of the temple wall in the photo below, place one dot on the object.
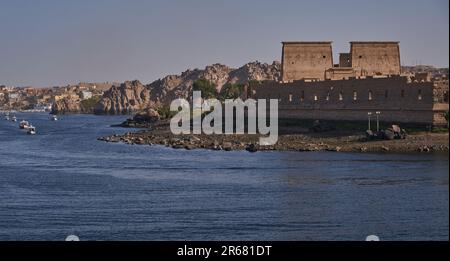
(375, 58)
(306, 60)
(397, 99)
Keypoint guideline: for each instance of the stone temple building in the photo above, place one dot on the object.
(314, 60)
(367, 79)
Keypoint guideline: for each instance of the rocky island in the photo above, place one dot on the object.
(218, 81)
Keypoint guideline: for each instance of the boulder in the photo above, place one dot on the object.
(396, 129)
(389, 134)
(148, 116)
(227, 146)
(369, 134)
(251, 148)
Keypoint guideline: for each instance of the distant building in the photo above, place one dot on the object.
(7, 88)
(85, 95)
(43, 107)
(13, 96)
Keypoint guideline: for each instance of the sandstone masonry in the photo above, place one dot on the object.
(368, 79)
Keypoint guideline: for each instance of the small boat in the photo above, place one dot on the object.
(31, 130)
(24, 125)
(7, 117)
(54, 118)
(14, 119)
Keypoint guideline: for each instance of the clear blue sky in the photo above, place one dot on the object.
(54, 42)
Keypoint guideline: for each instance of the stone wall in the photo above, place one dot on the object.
(375, 58)
(397, 99)
(340, 73)
(306, 60)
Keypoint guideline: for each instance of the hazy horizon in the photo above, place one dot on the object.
(54, 43)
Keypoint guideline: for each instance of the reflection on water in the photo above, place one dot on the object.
(63, 181)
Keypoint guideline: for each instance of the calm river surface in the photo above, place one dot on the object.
(63, 181)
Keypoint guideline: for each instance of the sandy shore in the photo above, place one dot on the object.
(290, 139)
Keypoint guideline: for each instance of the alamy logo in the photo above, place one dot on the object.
(207, 117)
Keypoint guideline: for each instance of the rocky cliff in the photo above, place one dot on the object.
(126, 98)
(133, 96)
(66, 105)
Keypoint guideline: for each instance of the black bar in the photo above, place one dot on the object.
(161, 249)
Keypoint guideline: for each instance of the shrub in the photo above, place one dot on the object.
(89, 104)
(207, 88)
(231, 91)
(165, 113)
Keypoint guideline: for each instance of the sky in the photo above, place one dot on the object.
(60, 42)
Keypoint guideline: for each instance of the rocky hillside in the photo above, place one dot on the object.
(134, 96)
(66, 106)
(69, 105)
(126, 98)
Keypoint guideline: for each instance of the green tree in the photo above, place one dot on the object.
(254, 83)
(89, 104)
(165, 113)
(207, 88)
(232, 91)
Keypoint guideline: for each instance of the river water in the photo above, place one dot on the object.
(63, 181)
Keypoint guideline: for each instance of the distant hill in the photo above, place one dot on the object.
(435, 72)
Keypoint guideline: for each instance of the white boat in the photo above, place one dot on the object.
(24, 125)
(31, 130)
(54, 118)
(7, 117)
(14, 119)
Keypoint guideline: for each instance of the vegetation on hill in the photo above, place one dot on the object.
(165, 113)
(89, 104)
(231, 91)
(207, 88)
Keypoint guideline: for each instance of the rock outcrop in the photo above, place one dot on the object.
(67, 105)
(149, 115)
(74, 105)
(142, 119)
(256, 71)
(129, 97)
(133, 96)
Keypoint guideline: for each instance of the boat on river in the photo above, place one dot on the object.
(31, 130)
(24, 124)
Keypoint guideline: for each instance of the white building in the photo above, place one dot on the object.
(13, 95)
(86, 95)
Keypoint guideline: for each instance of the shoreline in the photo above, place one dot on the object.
(288, 140)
